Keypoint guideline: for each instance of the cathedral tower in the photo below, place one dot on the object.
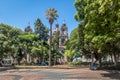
(28, 28)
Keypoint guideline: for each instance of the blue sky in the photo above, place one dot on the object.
(19, 12)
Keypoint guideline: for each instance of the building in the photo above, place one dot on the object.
(28, 28)
(63, 34)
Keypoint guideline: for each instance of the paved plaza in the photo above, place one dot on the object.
(58, 74)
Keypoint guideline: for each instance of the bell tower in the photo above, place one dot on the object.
(28, 28)
(63, 34)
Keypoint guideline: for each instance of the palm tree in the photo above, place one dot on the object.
(51, 15)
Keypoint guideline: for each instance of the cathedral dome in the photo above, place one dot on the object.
(28, 28)
(64, 27)
(57, 25)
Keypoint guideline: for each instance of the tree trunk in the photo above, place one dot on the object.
(100, 62)
(92, 58)
(111, 58)
(50, 44)
(28, 58)
(115, 59)
(118, 56)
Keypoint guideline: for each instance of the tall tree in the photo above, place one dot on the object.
(74, 44)
(51, 15)
(74, 39)
(8, 35)
(56, 47)
(102, 22)
(26, 40)
(41, 30)
(56, 41)
(40, 50)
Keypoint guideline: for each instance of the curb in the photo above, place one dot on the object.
(40, 67)
(5, 68)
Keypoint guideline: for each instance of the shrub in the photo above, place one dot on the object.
(74, 63)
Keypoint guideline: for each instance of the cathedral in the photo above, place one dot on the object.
(28, 28)
(63, 34)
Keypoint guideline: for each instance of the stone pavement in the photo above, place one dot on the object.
(58, 74)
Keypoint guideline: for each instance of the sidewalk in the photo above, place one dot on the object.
(59, 74)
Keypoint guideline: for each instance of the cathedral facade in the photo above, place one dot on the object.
(63, 34)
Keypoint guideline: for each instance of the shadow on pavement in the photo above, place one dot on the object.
(6, 68)
(113, 74)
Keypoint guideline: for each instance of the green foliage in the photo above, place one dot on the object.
(41, 30)
(4, 29)
(72, 45)
(76, 40)
(7, 37)
(28, 37)
(74, 63)
(39, 48)
(17, 44)
(70, 54)
(51, 15)
(14, 32)
(101, 21)
(56, 41)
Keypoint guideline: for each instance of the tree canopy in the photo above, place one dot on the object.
(41, 30)
(101, 21)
